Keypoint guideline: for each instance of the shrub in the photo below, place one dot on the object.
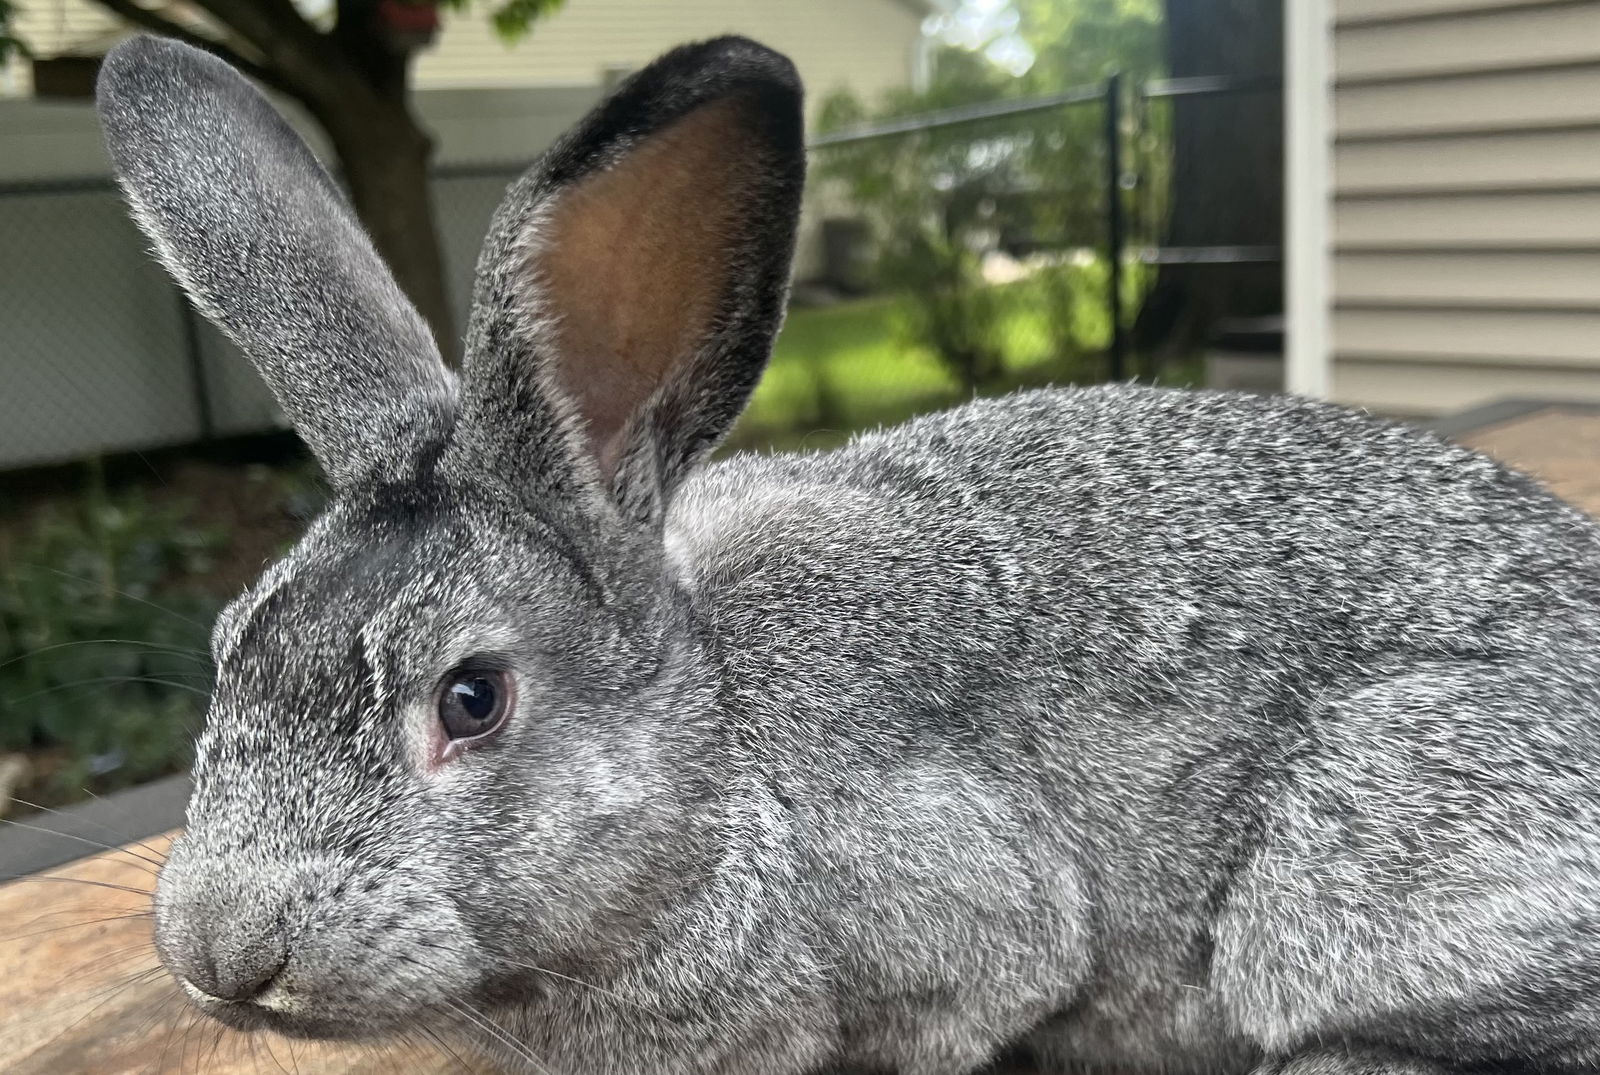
(103, 640)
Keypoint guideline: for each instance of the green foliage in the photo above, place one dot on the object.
(1077, 41)
(939, 201)
(10, 45)
(511, 19)
(841, 368)
(102, 655)
(954, 310)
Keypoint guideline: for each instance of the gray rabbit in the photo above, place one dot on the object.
(1087, 729)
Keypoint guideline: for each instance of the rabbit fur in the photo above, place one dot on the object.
(1109, 728)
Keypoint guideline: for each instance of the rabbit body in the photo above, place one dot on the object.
(1112, 729)
(1156, 730)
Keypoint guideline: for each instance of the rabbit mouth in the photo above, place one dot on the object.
(271, 1011)
(251, 1017)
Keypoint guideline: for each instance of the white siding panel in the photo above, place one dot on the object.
(1506, 279)
(1506, 38)
(866, 45)
(52, 26)
(1492, 336)
(1525, 99)
(500, 125)
(1568, 156)
(1553, 220)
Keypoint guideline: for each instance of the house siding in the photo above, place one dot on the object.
(61, 26)
(869, 46)
(1466, 202)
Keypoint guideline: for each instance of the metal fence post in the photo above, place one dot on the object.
(1116, 228)
(198, 381)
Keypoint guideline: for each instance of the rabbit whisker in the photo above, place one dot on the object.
(105, 996)
(151, 865)
(27, 878)
(73, 925)
(123, 839)
(98, 681)
(440, 1044)
(152, 647)
(126, 839)
(123, 594)
(495, 1032)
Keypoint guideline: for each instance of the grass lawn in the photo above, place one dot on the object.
(853, 366)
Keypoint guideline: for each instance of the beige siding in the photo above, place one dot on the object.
(1509, 100)
(1561, 219)
(1348, 12)
(1468, 161)
(1529, 279)
(869, 46)
(1507, 36)
(1480, 336)
(1397, 386)
(50, 27)
(1466, 212)
(866, 45)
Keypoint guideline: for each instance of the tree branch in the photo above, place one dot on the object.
(302, 57)
(149, 20)
(357, 34)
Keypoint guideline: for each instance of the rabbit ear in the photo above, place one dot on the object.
(634, 278)
(261, 238)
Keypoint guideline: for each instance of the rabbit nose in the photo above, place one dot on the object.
(226, 946)
(231, 981)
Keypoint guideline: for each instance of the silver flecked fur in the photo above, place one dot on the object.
(1114, 728)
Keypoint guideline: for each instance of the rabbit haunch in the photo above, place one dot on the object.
(1105, 728)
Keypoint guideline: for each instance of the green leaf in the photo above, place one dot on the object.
(511, 19)
(10, 45)
(514, 18)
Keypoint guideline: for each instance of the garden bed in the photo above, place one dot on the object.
(110, 577)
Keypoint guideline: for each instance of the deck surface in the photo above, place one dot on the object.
(81, 993)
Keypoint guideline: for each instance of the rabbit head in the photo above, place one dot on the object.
(456, 738)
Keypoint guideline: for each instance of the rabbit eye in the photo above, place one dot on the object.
(473, 703)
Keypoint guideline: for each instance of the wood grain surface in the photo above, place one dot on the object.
(81, 992)
(1558, 445)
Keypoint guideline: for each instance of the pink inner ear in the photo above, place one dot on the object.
(634, 265)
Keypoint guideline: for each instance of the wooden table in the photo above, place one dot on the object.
(1560, 445)
(81, 992)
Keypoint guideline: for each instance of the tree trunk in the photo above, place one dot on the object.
(385, 157)
(1227, 172)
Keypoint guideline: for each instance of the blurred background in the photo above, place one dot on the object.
(1004, 193)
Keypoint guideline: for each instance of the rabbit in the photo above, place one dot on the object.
(1111, 728)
